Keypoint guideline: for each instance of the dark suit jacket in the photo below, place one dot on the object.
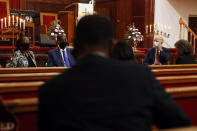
(100, 94)
(186, 59)
(55, 57)
(163, 57)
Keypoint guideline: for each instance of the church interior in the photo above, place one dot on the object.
(42, 20)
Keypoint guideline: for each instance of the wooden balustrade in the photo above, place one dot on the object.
(191, 36)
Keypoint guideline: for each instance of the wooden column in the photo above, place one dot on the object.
(67, 19)
(149, 20)
(143, 15)
(22, 4)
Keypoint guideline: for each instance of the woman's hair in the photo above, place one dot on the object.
(184, 47)
(123, 51)
(21, 41)
(18, 42)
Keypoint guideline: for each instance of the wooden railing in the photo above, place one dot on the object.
(188, 35)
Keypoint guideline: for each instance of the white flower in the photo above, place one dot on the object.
(52, 34)
(129, 37)
(131, 28)
(55, 30)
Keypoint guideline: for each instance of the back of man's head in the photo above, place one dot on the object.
(93, 31)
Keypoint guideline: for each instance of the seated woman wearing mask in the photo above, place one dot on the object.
(62, 55)
(23, 57)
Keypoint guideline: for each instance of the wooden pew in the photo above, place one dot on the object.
(177, 81)
(26, 85)
(183, 66)
(25, 111)
(27, 107)
(15, 90)
(174, 72)
(27, 77)
(182, 88)
(32, 70)
(30, 104)
(193, 128)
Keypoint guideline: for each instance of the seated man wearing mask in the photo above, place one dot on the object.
(23, 57)
(157, 55)
(61, 56)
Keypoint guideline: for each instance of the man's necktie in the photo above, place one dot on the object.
(157, 62)
(66, 59)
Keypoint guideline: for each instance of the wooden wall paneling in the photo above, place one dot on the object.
(44, 7)
(22, 4)
(149, 20)
(107, 8)
(67, 19)
(74, 8)
(124, 17)
(143, 14)
(14, 4)
(139, 17)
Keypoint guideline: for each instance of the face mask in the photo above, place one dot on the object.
(63, 45)
(156, 44)
(25, 46)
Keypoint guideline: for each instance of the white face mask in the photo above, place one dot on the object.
(156, 44)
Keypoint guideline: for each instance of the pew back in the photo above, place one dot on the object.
(183, 66)
(32, 70)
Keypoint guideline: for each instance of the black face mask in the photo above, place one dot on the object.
(25, 46)
(63, 45)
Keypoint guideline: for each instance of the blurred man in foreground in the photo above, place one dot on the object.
(102, 94)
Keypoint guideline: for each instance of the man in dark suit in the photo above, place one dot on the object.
(61, 56)
(103, 94)
(158, 55)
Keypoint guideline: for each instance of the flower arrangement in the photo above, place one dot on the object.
(133, 34)
(55, 29)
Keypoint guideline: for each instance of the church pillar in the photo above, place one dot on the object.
(143, 16)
